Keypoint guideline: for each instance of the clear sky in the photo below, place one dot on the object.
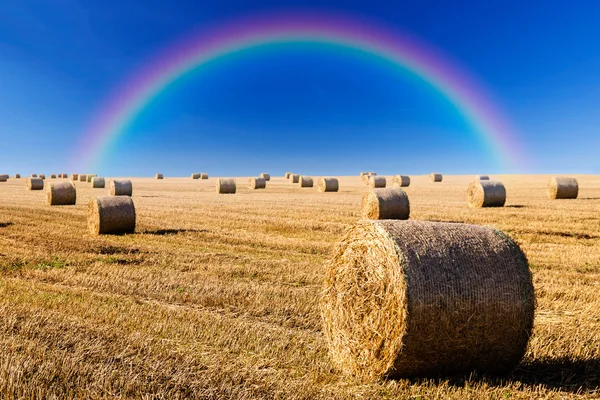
(302, 107)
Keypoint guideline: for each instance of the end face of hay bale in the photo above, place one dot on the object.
(486, 194)
(226, 186)
(390, 203)
(401, 181)
(562, 187)
(305, 181)
(61, 194)
(377, 181)
(435, 177)
(328, 185)
(111, 215)
(35, 183)
(257, 183)
(98, 183)
(482, 177)
(265, 176)
(82, 178)
(426, 299)
(294, 178)
(120, 188)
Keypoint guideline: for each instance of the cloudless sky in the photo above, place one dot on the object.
(307, 108)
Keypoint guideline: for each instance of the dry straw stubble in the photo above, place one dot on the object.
(257, 183)
(328, 185)
(562, 187)
(401, 181)
(486, 194)
(61, 194)
(120, 188)
(226, 186)
(417, 298)
(377, 181)
(390, 203)
(111, 215)
(35, 183)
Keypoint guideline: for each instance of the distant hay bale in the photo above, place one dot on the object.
(53, 176)
(426, 299)
(287, 175)
(61, 194)
(377, 181)
(89, 177)
(159, 176)
(257, 183)
(17, 176)
(98, 183)
(561, 187)
(486, 194)
(120, 188)
(265, 176)
(82, 178)
(204, 175)
(482, 177)
(365, 176)
(33, 176)
(111, 215)
(3, 178)
(390, 203)
(435, 177)
(74, 177)
(305, 181)
(196, 176)
(328, 185)
(401, 181)
(64, 176)
(35, 183)
(42, 176)
(226, 186)
(294, 178)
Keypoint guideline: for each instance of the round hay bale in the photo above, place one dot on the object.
(305, 181)
(226, 186)
(377, 181)
(3, 178)
(53, 176)
(401, 181)
(287, 175)
(426, 299)
(265, 176)
(64, 176)
(17, 176)
(482, 177)
(33, 176)
(366, 176)
(89, 177)
(328, 185)
(61, 194)
(74, 177)
(82, 178)
(294, 178)
(486, 194)
(390, 203)
(204, 175)
(120, 188)
(159, 176)
(111, 214)
(42, 176)
(257, 183)
(196, 176)
(561, 187)
(435, 177)
(35, 183)
(98, 183)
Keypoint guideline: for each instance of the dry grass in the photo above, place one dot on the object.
(218, 296)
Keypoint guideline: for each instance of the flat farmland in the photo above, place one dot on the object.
(217, 296)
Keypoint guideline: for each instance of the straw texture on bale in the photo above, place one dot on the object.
(486, 194)
(74, 177)
(287, 175)
(377, 181)
(35, 183)
(42, 176)
(561, 187)
(305, 181)
(294, 178)
(257, 183)
(482, 177)
(82, 178)
(390, 203)
(17, 176)
(111, 214)
(196, 176)
(426, 299)
(120, 188)
(61, 194)
(159, 176)
(401, 181)
(98, 183)
(265, 176)
(435, 177)
(53, 176)
(204, 175)
(328, 185)
(226, 186)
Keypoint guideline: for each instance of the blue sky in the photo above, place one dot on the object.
(307, 108)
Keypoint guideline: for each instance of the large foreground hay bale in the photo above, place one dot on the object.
(120, 188)
(111, 214)
(305, 181)
(435, 177)
(74, 177)
(204, 175)
(391, 203)
(328, 185)
(401, 181)
(482, 177)
(226, 186)
(418, 298)
(287, 175)
(294, 178)
(265, 176)
(82, 178)
(377, 181)
(98, 183)
(17, 176)
(196, 176)
(35, 183)
(257, 183)
(561, 187)
(486, 194)
(61, 194)
(159, 176)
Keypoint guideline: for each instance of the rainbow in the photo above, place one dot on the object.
(461, 90)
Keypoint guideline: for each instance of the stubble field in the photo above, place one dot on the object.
(217, 296)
